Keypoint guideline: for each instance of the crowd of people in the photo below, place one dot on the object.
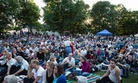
(46, 58)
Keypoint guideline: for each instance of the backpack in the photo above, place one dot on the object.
(71, 76)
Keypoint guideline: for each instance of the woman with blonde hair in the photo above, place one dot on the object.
(52, 59)
(3, 55)
(48, 75)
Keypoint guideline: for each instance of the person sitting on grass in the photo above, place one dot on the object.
(3, 64)
(48, 75)
(84, 65)
(20, 67)
(69, 63)
(121, 63)
(40, 56)
(10, 61)
(61, 57)
(58, 71)
(34, 75)
(52, 59)
(112, 75)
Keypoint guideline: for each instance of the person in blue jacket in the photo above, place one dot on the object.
(58, 71)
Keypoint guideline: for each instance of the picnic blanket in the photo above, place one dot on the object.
(91, 79)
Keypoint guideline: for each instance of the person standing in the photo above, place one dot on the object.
(68, 48)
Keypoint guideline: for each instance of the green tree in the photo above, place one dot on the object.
(8, 11)
(104, 16)
(128, 24)
(121, 11)
(65, 15)
(17, 14)
(127, 20)
(29, 15)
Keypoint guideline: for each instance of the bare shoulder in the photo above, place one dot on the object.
(117, 69)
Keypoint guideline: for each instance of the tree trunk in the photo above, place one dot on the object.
(31, 31)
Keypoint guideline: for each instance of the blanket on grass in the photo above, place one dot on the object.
(91, 79)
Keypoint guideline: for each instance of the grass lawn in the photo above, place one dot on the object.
(131, 79)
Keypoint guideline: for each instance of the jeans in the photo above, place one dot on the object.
(68, 50)
(133, 70)
(79, 72)
(41, 62)
(124, 71)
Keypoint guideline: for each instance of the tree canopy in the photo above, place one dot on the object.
(65, 15)
(17, 14)
(29, 15)
(104, 16)
(68, 15)
(8, 12)
(129, 23)
(115, 18)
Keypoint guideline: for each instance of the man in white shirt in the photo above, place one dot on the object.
(67, 42)
(36, 75)
(69, 62)
(20, 67)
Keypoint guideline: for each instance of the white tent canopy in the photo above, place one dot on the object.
(136, 35)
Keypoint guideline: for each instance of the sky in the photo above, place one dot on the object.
(129, 4)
